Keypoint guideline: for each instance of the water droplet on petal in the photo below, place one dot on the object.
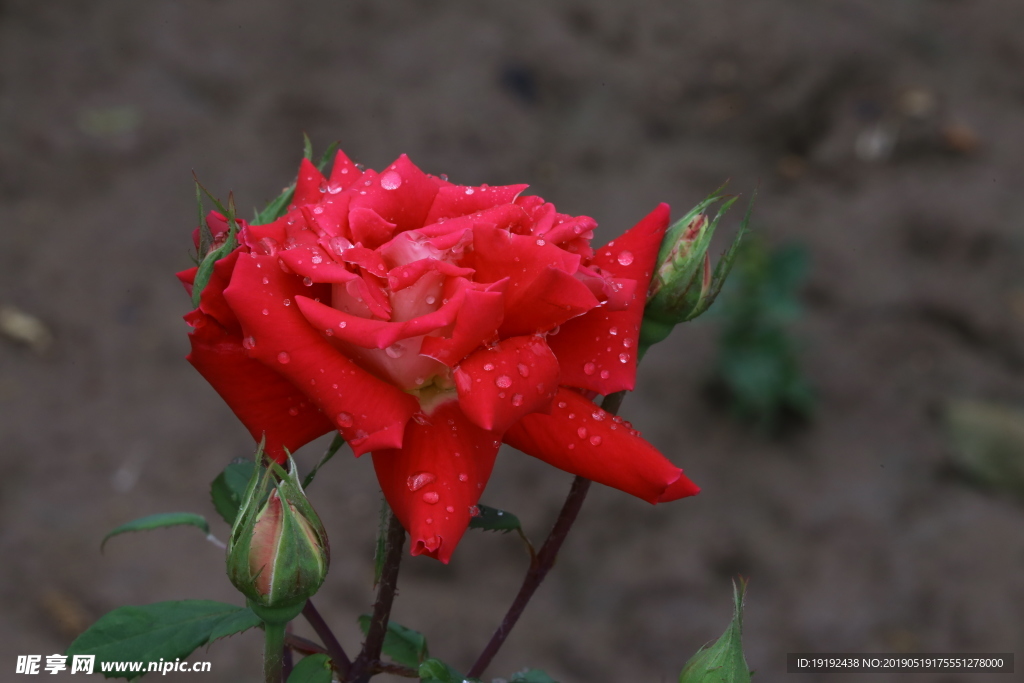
(268, 245)
(595, 440)
(474, 511)
(582, 432)
(588, 368)
(391, 180)
(266, 311)
(449, 509)
(430, 300)
(488, 367)
(623, 357)
(417, 481)
(283, 358)
(503, 381)
(342, 325)
(266, 280)
(613, 331)
(431, 497)
(469, 190)
(317, 259)
(395, 350)
(524, 370)
(627, 342)
(293, 411)
(463, 477)
(541, 243)
(307, 281)
(605, 374)
(625, 258)
(517, 400)
(598, 415)
(249, 343)
(287, 302)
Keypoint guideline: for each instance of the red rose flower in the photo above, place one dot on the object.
(428, 322)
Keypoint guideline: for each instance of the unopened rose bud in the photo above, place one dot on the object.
(684, 285)
(278, 553)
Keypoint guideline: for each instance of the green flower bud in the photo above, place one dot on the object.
(722, 661)
(684, 285)
(278, 553)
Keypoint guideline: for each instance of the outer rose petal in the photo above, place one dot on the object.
(262, 400)
(370, 413)
(307, 185)
(581, 438)
(476, 324)
(436, 477)
(498, 385)
(344, 173)
(456, 200)
(597, 351)
(401, 194)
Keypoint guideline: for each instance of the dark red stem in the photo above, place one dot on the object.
(545, 558)
(341, 661)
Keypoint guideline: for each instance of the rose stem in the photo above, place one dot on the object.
(273, 651)
(362, 668)
(545, 557)
(288, 661)
(331, 644)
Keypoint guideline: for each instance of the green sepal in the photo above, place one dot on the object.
(228, 490)
(149, 633)
(307, 147)
(205, 236)
(208, 260)
(160, 521)
(404, 645)
(336, 443)
(279, 205)
(723, 661)
(493, 519)
(315, 668)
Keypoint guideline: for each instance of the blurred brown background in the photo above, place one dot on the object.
(886, 137)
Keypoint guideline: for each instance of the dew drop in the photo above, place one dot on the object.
(623, 357)
(268, 245)
(463, 477)
(449, 509)
(562, 404)
(430, 300)
(391, 180)
(430, 520)
(572, 446)
(625, 258)
(443, 176)
(335, 189)
(588, 368)
(342, 325)
(469, 190)
(339, 245)
(582, 432)
(344, 419)
(613, 331)
(417, 481)
(524, 370)
(474, 511)
(266, 280)
(628, 342)
(249, 342)
(266, 311)
(598, 415)
(503, 381)
(329, 332)
(283, 358)
(287, 302)
(517, 400)
(395, 350)
(317, 259)
(293, 411)
(307, 281)
(572, 416)
(488, 367)
(318, 210)
(595, 440)
(605, 374)
(541, 243)
(431, 497)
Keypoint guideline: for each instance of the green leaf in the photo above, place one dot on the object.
(228, 489)
(436, 671)
(307, 147)
(328, 155)
(276, 207)
(493, 519)
(148, 633)
(240, 621)
(723, 661)
(404, 645)
(531, 676)
(335, 446)
(205, 236)
(205, 270)
(159, 521)
(312, 669)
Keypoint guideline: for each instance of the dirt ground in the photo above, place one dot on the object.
(886, 137)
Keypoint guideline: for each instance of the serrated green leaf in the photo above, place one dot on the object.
(240, 621)
(722, 662)
(436, 671)
(335, 446)
(228, 489)
(312, 669)
(160, 521)
(404, 645)
(531, 676)
(493, 519)
(149, 633)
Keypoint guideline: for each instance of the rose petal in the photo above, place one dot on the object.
(367, 227)
(371, 413)
(308, 184)
(500, 384)
(436, 478)
(456, 200)
(597, 351)
(264, 402)
(315, 263)
(581, 438)
(477, 324)
(401, 194)
(344, 173)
